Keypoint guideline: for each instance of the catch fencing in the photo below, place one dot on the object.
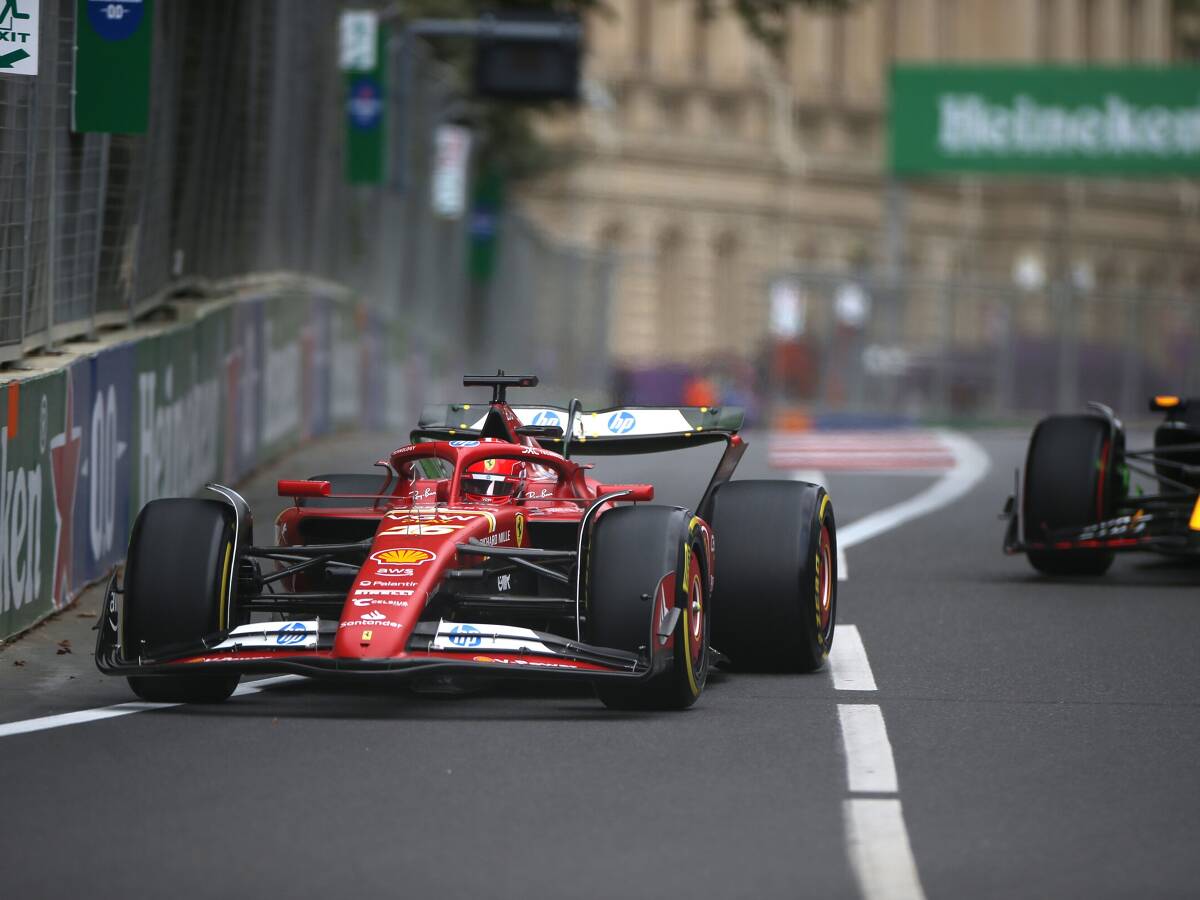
(866, 343)
(242, 170)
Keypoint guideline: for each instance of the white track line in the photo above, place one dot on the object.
(971, 463)
(83, 716)
(78, 718)
(880, 853)
(816, 476)
(848, 662)
(869, 765)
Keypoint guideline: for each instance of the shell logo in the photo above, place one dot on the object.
(403, 556)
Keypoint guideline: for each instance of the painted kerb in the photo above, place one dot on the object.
(84, 447)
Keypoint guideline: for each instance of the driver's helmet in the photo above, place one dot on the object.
(494, 480)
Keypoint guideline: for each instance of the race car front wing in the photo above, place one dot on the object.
(306, 648)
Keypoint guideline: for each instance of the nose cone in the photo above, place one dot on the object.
(411, 552)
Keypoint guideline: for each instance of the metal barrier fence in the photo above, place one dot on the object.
(927, 347)
(241, 170)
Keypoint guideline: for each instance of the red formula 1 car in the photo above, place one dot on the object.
(1073, 509)
(487, 550)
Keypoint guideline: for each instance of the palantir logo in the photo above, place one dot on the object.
(292, 633)
(465, 636)
(622, 422)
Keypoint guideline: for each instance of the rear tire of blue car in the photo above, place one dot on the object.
(775, 599)
(631, 549)
(181, 558)
(1073, 478)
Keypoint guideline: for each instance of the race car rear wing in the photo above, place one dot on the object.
(616, 430)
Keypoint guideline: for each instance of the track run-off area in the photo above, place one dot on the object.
(980, 731)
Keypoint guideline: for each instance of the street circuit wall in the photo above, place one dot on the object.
(83, 447)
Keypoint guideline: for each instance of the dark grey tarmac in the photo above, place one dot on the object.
(1044, 735)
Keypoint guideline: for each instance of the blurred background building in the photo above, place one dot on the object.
(729, 183)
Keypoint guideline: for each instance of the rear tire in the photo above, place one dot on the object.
(775, 600)
(632, 548)
(181, 557)
(1072, 479)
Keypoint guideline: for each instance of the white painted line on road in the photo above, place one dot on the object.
(80, 717)
(848, 661)
(253, 687)
(971, 463)
(99, 713)
(869, 765)
(816, 476)
(880, 852)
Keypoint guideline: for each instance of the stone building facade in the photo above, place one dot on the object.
(708, 165)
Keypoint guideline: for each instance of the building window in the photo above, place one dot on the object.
(1135, 32)
(670, 278)
(947, 28)
(1089, 29)
(1186, 31)
(1043, 37)
(701, 29)
(727, 292)
(643, 31)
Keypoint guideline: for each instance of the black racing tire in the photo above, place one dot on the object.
(346, 483)
(631, 549)
(1072, 479)
(181, 557)
(775, 600)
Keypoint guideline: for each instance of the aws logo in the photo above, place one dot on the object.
(403, 556)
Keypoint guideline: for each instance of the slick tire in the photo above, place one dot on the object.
(631, 549)
(181, 557)
(345, 483)
(774, 605)
(1072, 479)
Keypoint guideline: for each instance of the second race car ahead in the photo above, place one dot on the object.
(1073, 509)
(486, 549)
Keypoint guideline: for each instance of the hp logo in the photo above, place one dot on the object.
(465, 636)
(622, 422)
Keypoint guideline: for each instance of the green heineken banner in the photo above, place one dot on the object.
(112, 65)
(1045, 120)
(364, 45)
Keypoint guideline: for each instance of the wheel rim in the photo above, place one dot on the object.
(695, 620)
(824, 598)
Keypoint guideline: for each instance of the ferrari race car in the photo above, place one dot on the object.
(1074, 509)
(485, 549)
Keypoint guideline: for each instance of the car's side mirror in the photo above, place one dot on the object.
(290, 488)
(638, 493)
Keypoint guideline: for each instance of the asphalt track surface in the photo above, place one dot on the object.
(1026, 738)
